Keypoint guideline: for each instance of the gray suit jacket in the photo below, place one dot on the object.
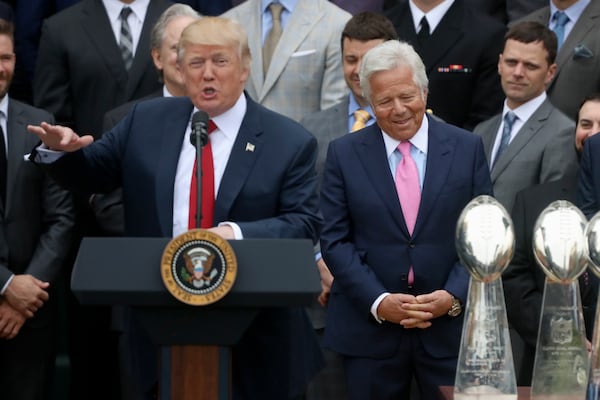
(327, 125)
(578, 60)
(37, 220)
(306, 72)
(542, 151)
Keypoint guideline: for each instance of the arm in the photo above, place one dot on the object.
(559, 158)
(333, 86)
(296, 214)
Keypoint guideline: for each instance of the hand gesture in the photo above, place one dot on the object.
(59, 138)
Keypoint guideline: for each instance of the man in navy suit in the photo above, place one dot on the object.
(398, 288)
(264, 185)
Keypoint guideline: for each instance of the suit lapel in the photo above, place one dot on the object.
(440, 153)
(254, 28)
(240, 161)
(525, 134)
(96, 25)
(371, 153)
(301, 22)
(140, 61)
(172, 130)
(488, 136)
(584, 24)
(16, 133)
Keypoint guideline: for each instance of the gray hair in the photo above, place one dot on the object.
(390, 55)
(174, 11)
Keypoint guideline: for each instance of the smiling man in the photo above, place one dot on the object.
(266, 192)
(395, 304)
(531, 142)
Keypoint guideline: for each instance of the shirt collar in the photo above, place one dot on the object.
(230, 121)
(434, 16)
(573, 12)
(526, 110)
(114, 7)
(4, 106)
(289, 5)
(353, 106)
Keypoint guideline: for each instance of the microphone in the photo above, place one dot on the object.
(199, 139)
(199, 129)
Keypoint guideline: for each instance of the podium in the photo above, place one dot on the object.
(126, 271)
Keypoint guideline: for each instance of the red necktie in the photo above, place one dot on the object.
(208, 187)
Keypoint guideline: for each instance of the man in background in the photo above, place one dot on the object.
(37, 225)
(531, 141)
(296, 56)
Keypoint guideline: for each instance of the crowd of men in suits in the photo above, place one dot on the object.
(452, 97)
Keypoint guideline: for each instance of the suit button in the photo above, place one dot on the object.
(411, 245)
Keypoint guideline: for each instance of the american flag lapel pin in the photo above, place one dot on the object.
(249, 147)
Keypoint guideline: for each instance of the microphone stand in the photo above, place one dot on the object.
(198, 147)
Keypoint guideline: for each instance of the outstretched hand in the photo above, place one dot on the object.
(59, 138)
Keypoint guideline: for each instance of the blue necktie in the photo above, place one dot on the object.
(561, 19)
(509, 119)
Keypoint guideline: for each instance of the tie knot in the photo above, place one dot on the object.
(362, 115)
(561, 18)
(211, 126)
(404, 149)
(125, 11)
(424, 27)
(510, 118)
(276, 9)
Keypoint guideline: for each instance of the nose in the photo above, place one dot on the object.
(519, 68)
(208, 72)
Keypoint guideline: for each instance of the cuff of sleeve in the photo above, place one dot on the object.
(46, 156)
(6, 285)
(237, 232)
(376, 303)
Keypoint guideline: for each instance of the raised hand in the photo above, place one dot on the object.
(59, 138)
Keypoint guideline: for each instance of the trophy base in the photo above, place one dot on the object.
(483, 392)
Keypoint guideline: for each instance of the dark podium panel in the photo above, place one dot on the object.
(195, 360)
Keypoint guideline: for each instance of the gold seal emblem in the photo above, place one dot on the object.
(198, 267)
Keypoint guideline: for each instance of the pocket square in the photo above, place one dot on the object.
(303, 53)
(581, 51)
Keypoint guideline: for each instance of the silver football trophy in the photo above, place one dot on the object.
(561, 358)
(485, 243)
(592, 235)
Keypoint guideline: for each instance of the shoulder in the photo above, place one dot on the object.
(333, 11)
(30, 112)
(487, 125)
(444, 130)
(276, 127)
(247, 9)
(318, 118)
(67, 15)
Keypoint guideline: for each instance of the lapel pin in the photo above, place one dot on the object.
(249, 147)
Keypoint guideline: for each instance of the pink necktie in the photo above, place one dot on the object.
(409, 192)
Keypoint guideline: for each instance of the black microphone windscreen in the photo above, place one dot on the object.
(200, 117)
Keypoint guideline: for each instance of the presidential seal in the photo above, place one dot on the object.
(198, 267)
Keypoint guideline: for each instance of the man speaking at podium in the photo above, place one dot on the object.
(264, 186)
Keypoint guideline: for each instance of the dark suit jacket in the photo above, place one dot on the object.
(80, 74)
(524, 279)
(269, 192)
(467, 38)
(365, 241)
(37, 219)
(588, 187)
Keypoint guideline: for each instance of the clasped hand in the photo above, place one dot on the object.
(414, 311)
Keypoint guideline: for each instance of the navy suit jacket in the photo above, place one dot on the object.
(270, 192)
(366, 244)
(588, 187)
